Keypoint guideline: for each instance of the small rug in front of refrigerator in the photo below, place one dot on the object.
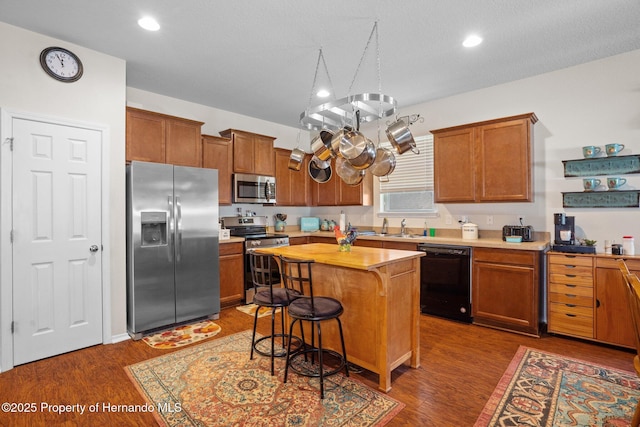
(183, 335)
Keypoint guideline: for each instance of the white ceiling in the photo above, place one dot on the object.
(258, 58)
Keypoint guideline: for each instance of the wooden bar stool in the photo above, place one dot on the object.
(269, 293)
(296, 276)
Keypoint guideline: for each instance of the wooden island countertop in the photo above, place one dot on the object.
(380, 292)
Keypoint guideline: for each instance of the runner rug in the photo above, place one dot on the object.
(215, 384)
(183, 335)
(545, 389)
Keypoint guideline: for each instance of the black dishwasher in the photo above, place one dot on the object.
(445, 281)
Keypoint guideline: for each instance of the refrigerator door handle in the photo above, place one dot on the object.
(171, 228)
(178, 229)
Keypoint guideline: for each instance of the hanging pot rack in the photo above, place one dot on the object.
(353, 109)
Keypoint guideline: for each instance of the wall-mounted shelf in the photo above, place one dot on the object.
(602, 199)
(602, 166)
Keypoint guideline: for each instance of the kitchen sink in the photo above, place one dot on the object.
(404, 236)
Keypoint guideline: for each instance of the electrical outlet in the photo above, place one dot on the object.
(489, 219)
(448, 220)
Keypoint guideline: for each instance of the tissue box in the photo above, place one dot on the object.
(309, 224)
(224, 234)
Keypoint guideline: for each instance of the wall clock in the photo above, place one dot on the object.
(61, 64)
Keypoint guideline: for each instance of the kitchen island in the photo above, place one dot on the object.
(380, 292)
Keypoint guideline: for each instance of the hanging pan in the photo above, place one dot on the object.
(384, 164)
(348, 174)
(320, 145)
(400, 137)
(319, 175)
(296, 158)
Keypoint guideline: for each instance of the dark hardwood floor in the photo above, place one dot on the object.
(461, 365)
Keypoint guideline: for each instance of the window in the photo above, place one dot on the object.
(409, 188)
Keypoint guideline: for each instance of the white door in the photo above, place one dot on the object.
(57, 289)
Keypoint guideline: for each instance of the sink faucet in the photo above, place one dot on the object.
(403, 226)
(385, 226)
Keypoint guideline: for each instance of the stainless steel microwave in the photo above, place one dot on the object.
(254, 188)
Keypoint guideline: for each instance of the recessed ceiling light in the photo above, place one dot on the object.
(148, 23)
(472, 40)
(323, 93)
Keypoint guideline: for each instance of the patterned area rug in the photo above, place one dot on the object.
(215, 384)
(250, 309)
(545, 389)
(183, 335)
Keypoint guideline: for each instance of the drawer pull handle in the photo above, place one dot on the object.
(570, 275)
(570, 295)
(569, 285)
(570, 315)
(570, 266)
(570, 305)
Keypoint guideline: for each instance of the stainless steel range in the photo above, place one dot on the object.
(254, 231)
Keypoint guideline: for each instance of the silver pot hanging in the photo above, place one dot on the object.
(320, 145)
(366, 157)
(318, 174)
(400, 137)
(296, 159)
(348, 174)
(385, 162)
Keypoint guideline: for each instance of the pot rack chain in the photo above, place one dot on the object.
(315, 78)
(334, 114)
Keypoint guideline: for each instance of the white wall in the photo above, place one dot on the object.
(98, 98)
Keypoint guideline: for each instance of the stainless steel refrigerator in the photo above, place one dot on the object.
(173, 273)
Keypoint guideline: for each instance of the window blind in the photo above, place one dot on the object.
(413, 172)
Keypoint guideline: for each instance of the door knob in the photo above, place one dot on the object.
(93, 248)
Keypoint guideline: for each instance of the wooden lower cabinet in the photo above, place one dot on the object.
(298, 240)
(614, 324)
(506, 289)
(231, 274)
(588, 298)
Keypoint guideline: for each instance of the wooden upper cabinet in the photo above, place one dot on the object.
(217, 153)
(155, 137)
(336, 192)
(293, 187)
(454, 166)
(485, 162)
(252, 153)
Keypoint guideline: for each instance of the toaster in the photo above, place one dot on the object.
(526, 231)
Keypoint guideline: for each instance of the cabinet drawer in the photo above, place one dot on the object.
(586, 261)
(611, 262)
(564, 288)
(571, 279)
(504, 256)
(571, 270)
(230, 248)
(571, 299)
(566, 323)
(571, 310)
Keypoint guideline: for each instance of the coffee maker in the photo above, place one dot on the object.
(565, 235)
(565, 229)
